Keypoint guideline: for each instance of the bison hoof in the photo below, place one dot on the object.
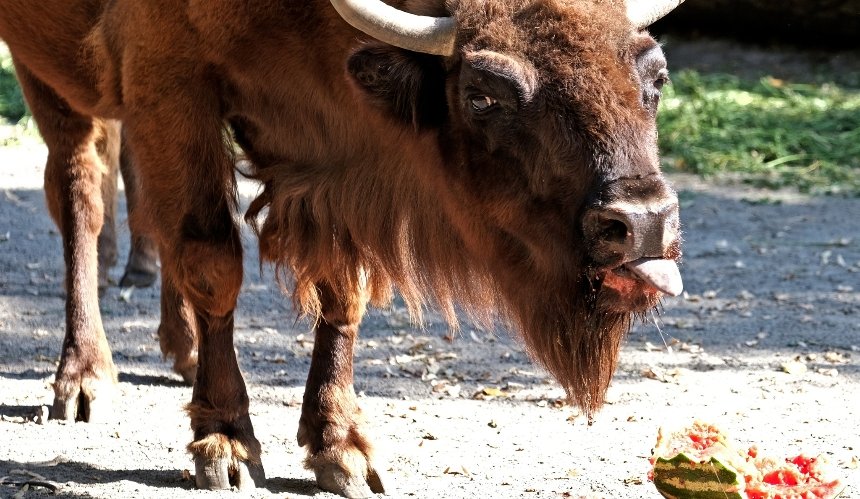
(139, 278)
(222, 462)
(225, 472)
(188, 372)
(333, 478)
(89, 400)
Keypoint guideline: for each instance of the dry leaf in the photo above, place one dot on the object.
(662, 375)
(125, 294)
(835, 357)
(650, 347)
(457, 470)
(794, 367)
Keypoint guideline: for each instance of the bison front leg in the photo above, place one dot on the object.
(332, 427)
(186, 176)
(79, 152)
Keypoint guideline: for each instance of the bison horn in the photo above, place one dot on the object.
(430, 35)
(643, 13)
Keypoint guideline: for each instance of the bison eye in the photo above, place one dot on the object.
(662, 79)
(482, 103)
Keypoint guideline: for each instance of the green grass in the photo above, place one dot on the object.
(770, 132)
(12, 106)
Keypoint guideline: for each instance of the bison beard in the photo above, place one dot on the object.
(365, 240)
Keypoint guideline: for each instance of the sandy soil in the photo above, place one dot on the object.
(764, 342)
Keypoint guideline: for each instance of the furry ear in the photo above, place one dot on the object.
(408, 85)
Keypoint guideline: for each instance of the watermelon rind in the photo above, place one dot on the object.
(685, 477)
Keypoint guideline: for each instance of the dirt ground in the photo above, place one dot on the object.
(765, 342)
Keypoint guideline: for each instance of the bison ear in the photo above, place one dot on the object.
(408, 85)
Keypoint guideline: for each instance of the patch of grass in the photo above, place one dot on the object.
(12, 107)
(771, 132)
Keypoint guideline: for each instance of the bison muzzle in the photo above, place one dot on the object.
(499, 156)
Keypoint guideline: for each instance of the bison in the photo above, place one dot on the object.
(494, 155)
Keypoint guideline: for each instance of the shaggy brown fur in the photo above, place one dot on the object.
(379, 169)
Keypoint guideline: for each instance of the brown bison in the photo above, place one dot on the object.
(495, 154)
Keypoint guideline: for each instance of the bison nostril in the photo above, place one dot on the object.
(612, 230)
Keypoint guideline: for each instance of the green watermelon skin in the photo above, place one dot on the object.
(683, 477)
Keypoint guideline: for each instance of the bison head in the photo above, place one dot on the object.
(545, 117)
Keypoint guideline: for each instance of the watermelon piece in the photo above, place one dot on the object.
(699, 462)
(799, 477)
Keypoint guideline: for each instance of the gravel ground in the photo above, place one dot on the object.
(764, 342)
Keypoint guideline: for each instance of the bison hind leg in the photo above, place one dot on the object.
(141, 268)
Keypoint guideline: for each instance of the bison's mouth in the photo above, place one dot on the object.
(638, 285)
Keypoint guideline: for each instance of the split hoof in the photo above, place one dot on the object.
(89, 400)
(226, 472)
(188, 372)
(139, 278)
(332, 478)
(222, 463)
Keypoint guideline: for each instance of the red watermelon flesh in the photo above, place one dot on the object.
(692, 453)
(799, 477)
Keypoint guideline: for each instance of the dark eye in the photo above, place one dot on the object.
(662, 79)
(482, 103)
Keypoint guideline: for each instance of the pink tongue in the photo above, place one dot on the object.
(662, 274)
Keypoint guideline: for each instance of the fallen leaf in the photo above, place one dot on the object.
(662, 375)
(125, 294)
(457, 470)
(835, 357)
(650, 347)
(794, 367)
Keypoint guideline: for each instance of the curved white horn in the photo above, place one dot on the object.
(643, 13)
(430, 35)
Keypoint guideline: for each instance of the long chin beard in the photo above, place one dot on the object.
(575, 333)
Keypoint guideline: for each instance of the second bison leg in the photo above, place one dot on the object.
(76, 166)
(177, 332)
(108, 150)
(141, 269)
(332, 427)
